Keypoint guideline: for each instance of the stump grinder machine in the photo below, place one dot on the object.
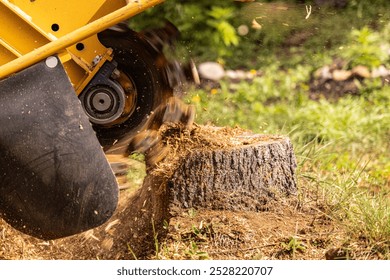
(74, 80)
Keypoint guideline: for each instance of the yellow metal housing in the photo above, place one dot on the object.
(33, 30)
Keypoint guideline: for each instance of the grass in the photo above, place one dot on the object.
(293, 245)
(137, 169)
(354, 188)
(187, 244)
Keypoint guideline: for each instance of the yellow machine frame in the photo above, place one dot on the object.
(32, 30)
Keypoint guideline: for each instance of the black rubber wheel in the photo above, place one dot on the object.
(142, 63)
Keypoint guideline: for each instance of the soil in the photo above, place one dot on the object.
(294, 227)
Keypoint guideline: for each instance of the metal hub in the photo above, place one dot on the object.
(104, 105)
(101, 101)
(110, 97)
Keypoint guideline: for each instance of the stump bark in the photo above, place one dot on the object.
(241, 177)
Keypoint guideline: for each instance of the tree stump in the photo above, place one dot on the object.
(244, 175)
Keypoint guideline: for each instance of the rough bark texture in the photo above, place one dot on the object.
(244, 177)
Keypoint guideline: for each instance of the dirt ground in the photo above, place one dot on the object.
(294, 227)
(286, 231)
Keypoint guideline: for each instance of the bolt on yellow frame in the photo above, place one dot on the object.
(32, 30)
